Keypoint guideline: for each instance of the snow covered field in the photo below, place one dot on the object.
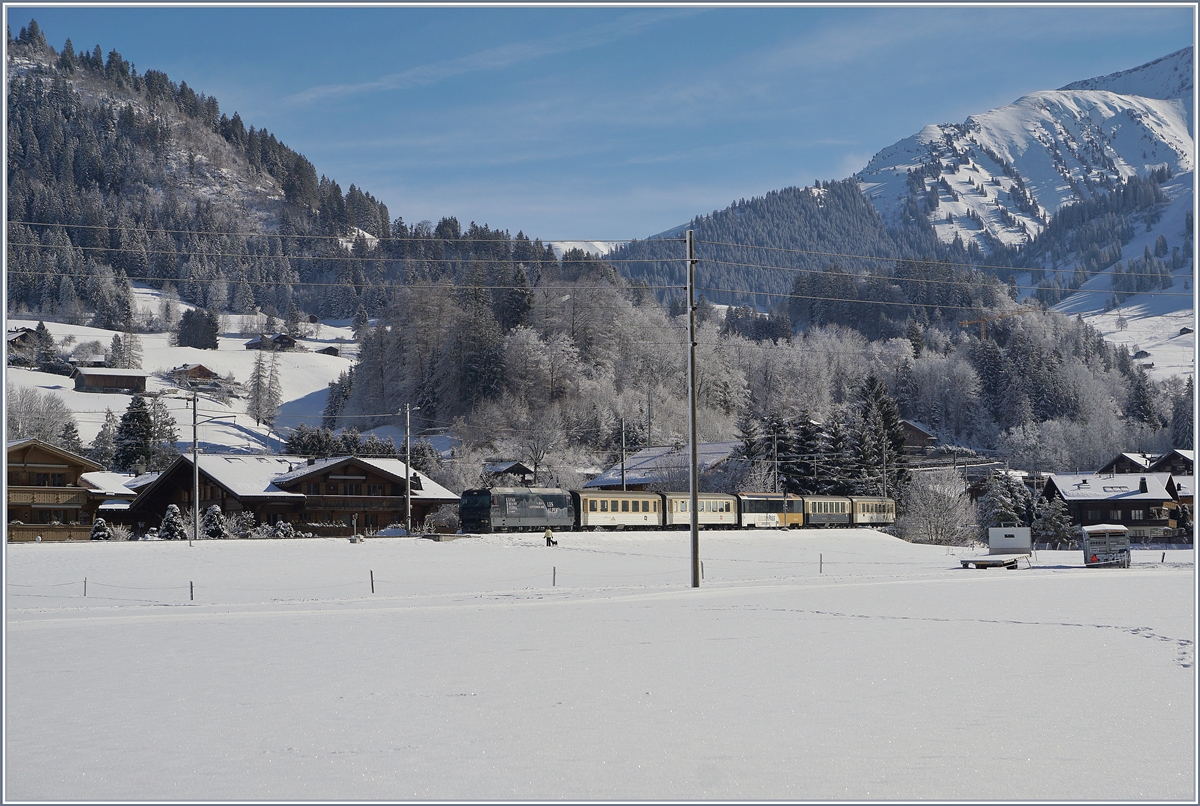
(819, 665)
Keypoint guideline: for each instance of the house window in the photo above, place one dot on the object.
(1093, 514)
(51, 480)
(312, 488)
(374, 489)
(1114, 515)
(353, 489)
(1137, 515)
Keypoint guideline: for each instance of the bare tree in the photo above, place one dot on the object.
(937, 509)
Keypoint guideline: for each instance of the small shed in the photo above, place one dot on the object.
(105, 379)
(330, 350)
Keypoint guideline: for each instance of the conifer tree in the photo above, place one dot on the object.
(213, 524)
(256, 390)
(172, 526)
(879, 446)
(1052, 523)
(274, 392)
(134, 440)
(68, 438)
(104, 445)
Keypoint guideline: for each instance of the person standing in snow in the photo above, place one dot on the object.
(549, 535)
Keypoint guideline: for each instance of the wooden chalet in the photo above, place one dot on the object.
(234, 482)
(1176, 462)
(1138, 501)
(366, 492)
(917, 441)
(105, 379)
(45, 495)
(337, 489)
(192, 372)
(1129, 462)
(278, 341)
(330, 350)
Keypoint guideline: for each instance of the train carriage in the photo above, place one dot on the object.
(770, 510)
(872, 511)
(713, 510)
(516, 509)
(618, 509)
(826, 510)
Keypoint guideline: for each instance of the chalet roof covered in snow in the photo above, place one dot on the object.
(1124, 487)
(245, 476)
(110, 485)
(661, 463)
(428, 489)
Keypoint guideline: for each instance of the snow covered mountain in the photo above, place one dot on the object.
(998, 177)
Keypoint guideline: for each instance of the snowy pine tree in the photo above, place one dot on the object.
(1052, 523)
(274, 393)
(104, 445)
(213, 524)
(256, 390)
(172, 526)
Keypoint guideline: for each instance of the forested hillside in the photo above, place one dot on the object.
(117, 177)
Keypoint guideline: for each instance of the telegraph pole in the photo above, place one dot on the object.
(622, 454)
(694, 471)
(195, 469)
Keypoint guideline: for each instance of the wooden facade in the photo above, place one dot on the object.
(101, 379)
(43, 486)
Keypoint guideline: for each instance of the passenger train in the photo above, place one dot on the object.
(526, 509)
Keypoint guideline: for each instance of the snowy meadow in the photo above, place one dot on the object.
(808, 666)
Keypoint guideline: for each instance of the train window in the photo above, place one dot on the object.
(591, 505)
(683, 505)
(729, 506)
(624, 506)
(656, 506)
(615, 506)
(604, 506)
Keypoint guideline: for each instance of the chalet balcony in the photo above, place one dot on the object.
(354, 503)
(56, 497)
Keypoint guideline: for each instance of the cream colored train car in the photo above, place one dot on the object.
(714, 510)
(615, 509)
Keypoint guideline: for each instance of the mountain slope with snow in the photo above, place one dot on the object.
(999, 176)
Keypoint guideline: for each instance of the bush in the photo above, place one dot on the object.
(120, 532)
(100, 530)
(444, 521)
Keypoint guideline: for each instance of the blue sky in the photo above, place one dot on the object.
(576, 123)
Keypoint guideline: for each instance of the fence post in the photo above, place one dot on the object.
(191, 591)
(820, 563)
(372, 582)
(85, 586)
(554, 576)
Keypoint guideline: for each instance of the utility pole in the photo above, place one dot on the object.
(694, 471)
(775, 440)
(649, 409)
(195, 469)
(622, 454)
(408, 467)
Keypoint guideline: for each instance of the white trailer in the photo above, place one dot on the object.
(1105, 544)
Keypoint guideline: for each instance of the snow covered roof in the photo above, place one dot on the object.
(429, 489)
(248, 475)
(138, 482)
(110, 372)
(1124, 487)
(649, 465)
(110, 485)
